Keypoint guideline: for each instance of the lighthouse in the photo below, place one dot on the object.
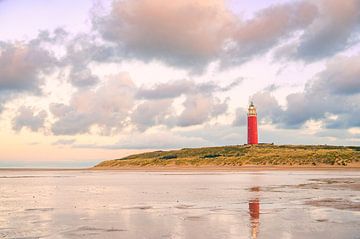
(252, 125)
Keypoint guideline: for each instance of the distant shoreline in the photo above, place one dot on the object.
(43, 169)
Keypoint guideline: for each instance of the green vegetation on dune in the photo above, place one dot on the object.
(239, 155)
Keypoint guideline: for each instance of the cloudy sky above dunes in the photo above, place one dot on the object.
(88, 80)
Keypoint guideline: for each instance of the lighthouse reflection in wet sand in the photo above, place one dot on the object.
(254, 211)
(252, 125)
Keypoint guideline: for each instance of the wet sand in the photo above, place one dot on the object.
(180, 204)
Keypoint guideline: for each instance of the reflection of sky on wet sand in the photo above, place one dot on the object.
(86, 204)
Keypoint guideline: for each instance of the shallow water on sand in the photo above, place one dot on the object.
(97, 204)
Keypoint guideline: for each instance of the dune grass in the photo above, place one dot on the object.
(239, 155)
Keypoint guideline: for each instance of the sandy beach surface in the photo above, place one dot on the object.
(354, 167)
(180, 203)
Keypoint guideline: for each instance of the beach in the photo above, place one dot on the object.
(180, 204)
(245, 168)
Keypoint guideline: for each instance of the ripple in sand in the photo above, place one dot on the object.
(89, 231)
(184, 206)
(336, 203)
(39, 209)
(139, 207)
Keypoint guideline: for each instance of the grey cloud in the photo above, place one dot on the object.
(200, 104)
(341, 77)
(301, 107)
(233, 84)
(166, 90)
(266, 29)
(81, 51)
(183, 33)
(64, 142)
(3, 99)
(191, 34)
(219, 107)
(82, 77)
(218, 135)
(26, 117)
(176, 88)
(333, 31)
(20, 65)
(223, 135)
(268, 109)
(73, 122)
(199, 108)
(271, 88)
(152, 112)
(335, 91)
(332, 97)
(336, 133)
(267, 106)
(240, 117)
(58, 36)
(59, 109)
(119, 103)
(160, 140)
(106, 107)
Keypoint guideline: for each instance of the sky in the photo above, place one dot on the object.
(89, 80)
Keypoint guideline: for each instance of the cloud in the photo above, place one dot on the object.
(332, 31)
(268, 109)
(177, 88)
(166, 90)
(240, 117)
(57, 36)
(82, 77)
(26, 117)
(119, 103)
(200, 104)
(153, 112)
(106, 107)
(185, 33)
(190, 34)
(199, 108)
(81, 51)
(342, 76)
(266, 29)
(267, 106)
(335, 29)
(64, 142)
(152, 140)
(20, 65)
(334, 91)
(336, 134)
(331, 97)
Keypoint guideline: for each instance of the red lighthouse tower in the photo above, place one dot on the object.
(252, 125)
